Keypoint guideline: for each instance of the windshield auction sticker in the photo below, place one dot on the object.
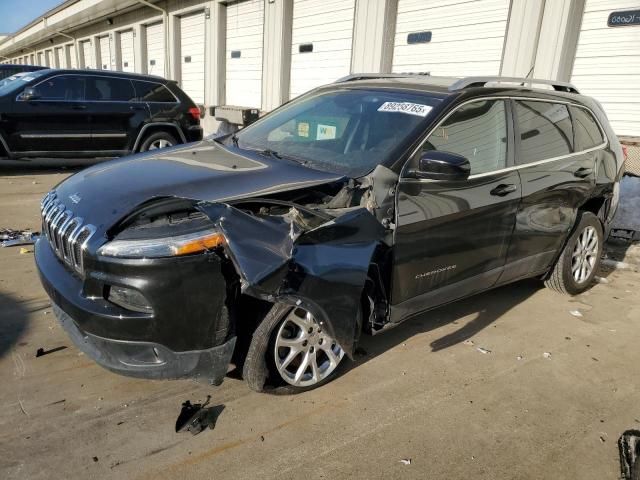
(406, 107)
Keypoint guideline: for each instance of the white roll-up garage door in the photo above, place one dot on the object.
(71, 55)
(32, 59)
(607, 64)
(105, 52)
(127, 51)
(41, 59)
(60, 60)
(245, 25)
(47, 58)
(192, 44)
(450, 37)
(155, 49)
(322, 38)
(86, 51)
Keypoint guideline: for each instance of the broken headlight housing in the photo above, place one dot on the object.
(173, 246)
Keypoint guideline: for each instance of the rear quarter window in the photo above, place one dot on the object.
(545, 130)
(587, 131)
(153, 92)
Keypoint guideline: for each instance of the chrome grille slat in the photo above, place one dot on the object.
(66, 233)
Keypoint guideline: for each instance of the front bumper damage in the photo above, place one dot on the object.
(150, 360)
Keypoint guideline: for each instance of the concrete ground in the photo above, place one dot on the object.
(421, 392)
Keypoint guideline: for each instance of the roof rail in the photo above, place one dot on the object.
(469, 82)
(366, 76)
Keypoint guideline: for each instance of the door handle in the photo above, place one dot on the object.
(583, 172)
(79, 107)
(503, 189)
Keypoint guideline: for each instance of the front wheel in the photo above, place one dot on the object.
(579, 261)
(158, 140)
(291, 352)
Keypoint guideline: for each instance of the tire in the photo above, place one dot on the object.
(158, 140)
(264, 367)
(580, 259)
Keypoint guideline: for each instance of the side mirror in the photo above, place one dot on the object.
(29, 93)
(436, 165)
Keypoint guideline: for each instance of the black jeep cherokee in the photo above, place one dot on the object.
(92, 113)
(349, 209)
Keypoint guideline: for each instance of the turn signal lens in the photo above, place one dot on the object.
(200, 245)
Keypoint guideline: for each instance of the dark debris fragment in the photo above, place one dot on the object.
(196, 417)
(42, 352)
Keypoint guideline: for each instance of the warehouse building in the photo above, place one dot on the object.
(261, 53)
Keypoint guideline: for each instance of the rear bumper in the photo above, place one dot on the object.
(193, 133)
(150, 360)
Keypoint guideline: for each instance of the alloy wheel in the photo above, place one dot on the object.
(304, 353)
(160, 143)
(585, 255)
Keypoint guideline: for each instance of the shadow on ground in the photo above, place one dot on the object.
(14, 319)
(44, 166)
(486, 308)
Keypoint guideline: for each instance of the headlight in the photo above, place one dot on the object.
(163, 247)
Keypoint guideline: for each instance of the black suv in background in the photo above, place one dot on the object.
(6, 70)
(351, 208)
(88, 113)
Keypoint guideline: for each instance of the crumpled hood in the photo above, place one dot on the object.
(205, 171)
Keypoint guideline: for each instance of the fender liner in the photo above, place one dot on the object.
(323, 269)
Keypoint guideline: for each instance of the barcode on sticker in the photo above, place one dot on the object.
(406, 107)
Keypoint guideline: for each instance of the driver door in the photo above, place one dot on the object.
(452, 237)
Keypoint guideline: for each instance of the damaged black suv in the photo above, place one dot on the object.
(347, 210)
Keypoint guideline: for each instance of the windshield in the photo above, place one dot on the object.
(17, 81)
(348, 131)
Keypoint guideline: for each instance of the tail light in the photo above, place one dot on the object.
(195, 113)
(625, 152)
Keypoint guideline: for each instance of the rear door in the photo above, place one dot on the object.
(452, 237)
(56, 121)
(556, 181)
(115, 116)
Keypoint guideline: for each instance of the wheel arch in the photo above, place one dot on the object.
(151, 128)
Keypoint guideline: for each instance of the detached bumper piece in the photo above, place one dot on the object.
(150, 360)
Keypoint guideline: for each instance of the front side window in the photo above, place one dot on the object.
(478, 132)
(588, 132)
(545, 130)
(110, 89)
(62, 88)
(348, 131)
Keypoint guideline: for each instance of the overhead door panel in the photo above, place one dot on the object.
(105, 52)
(155, 49)
(450, 37)
(71, 56)
(322, 38)
(127, 51)
(41, 59)
(47, 58)
(245, 23)
(60, 60)
(607, 64)
(192, 43)
(87, 54)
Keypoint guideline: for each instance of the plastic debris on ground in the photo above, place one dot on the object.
(195, 417)
(468, 342)
(601, 280)
(11, 238)
(483, 350)
(629, 448)
(546, 355)
(405, 461)
(576, 313)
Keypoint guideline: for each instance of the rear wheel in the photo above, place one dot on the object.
(577, 265)
(158, 140)
(291, 352)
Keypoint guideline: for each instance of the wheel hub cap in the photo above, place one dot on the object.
(585, 255)
(304, 353)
